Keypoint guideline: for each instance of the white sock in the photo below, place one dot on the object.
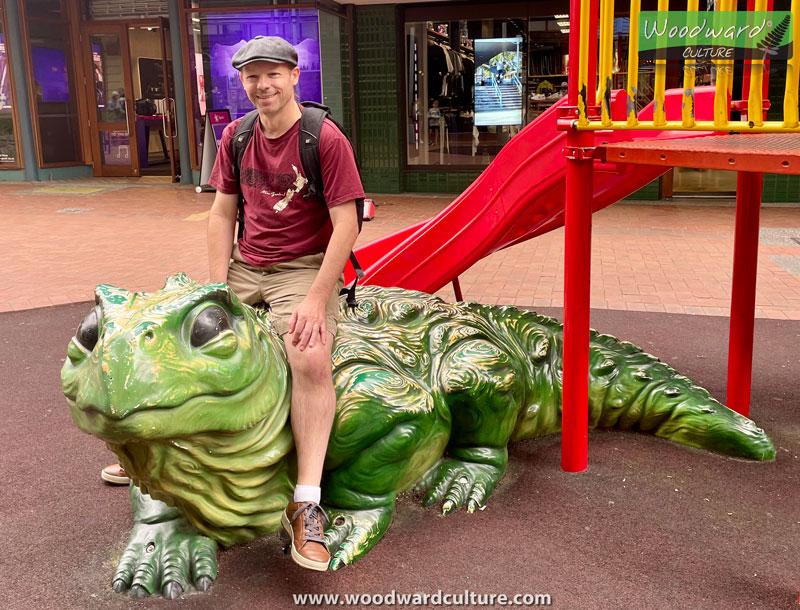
(307, 493)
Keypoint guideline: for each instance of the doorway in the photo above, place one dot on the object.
(133, 127)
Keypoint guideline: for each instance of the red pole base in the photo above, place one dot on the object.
(743, 291)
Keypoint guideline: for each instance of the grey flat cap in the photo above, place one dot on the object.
(265, 48)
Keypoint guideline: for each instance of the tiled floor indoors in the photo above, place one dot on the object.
(60, 239)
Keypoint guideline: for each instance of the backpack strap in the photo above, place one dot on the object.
(311, 121)
(241, 138)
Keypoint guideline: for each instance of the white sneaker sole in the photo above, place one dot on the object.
(113, 479)
(319, 566)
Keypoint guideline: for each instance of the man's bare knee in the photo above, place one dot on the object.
(312, 364)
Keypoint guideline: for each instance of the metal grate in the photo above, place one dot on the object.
(116, 9)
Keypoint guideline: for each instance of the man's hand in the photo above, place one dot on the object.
(307, 324)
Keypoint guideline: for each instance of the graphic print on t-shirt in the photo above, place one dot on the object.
(281, 186)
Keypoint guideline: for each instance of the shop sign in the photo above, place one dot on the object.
(715, 35)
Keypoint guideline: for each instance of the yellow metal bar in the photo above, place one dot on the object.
(755, 97)
(633, 63)
(721, 106)
(659, 113)
(790, 114)
(731, 6)
(583, 63)
(605, 63)
(687, 108)
(740, 126)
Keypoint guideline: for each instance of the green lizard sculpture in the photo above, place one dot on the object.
(190, 388)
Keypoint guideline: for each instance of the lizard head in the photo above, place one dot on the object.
(187, 359)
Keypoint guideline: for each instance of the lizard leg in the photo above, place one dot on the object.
(387, 431)
(165, 552)
(479, 380)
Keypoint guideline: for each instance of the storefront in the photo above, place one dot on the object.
(430, 92)
(105, 88)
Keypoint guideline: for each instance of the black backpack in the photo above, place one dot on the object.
(311, 120)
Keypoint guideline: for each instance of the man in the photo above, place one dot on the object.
(291, 256)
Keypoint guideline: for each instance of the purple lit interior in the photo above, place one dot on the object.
(50, 73)
(225, 33)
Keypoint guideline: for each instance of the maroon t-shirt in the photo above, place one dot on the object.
(279, 223)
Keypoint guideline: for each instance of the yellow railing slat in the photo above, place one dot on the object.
(790, 114)
(633, 64)
(659, 112)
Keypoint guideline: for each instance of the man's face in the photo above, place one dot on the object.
(269, 86)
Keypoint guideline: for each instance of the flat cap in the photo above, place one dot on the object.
(265, 48)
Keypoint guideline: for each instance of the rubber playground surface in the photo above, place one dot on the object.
(650, 524)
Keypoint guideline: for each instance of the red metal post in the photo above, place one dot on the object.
(457, 289)
(577, 276)
(743, 292)
(577, 260)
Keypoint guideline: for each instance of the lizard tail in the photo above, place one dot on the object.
(630, 389)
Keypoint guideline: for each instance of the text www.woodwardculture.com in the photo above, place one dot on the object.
(440, 598)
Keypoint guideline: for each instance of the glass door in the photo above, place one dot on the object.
(168, 103)
(114, 144)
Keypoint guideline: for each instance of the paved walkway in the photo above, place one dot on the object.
(60, 239)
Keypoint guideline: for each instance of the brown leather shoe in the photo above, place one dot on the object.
(305, 524)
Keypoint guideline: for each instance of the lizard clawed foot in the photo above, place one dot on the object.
(455, 483)
(354, 532)
(165, 557)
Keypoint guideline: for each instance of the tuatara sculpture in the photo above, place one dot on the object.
(189, 387)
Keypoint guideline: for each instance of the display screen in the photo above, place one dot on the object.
(219, 120)
(498, 86)
(5, 77)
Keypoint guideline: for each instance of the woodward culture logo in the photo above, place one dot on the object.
(715, 35)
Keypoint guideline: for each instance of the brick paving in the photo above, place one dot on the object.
(60, 239)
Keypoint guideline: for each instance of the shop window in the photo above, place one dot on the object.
(215, 37)
(52, 90)
(548, 63)
(8, 141)
(466, 86)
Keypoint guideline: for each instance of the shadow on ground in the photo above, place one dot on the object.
(649, 525)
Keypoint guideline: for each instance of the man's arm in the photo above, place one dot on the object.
(221, 225)
(308, 320)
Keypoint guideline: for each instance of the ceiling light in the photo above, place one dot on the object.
(561, 16)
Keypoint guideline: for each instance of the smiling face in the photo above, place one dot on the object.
(270, 86)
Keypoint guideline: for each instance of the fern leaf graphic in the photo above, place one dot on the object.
(774, 38)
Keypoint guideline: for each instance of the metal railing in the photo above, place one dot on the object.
(517, 82)
(724, 82)
(497, 91)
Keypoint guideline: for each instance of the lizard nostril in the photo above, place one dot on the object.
(149, 336)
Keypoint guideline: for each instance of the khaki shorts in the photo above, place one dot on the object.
(282, 286)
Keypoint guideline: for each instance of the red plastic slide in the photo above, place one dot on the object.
(519, 196)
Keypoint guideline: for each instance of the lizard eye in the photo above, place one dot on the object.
(208, 324)
(89, 329)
